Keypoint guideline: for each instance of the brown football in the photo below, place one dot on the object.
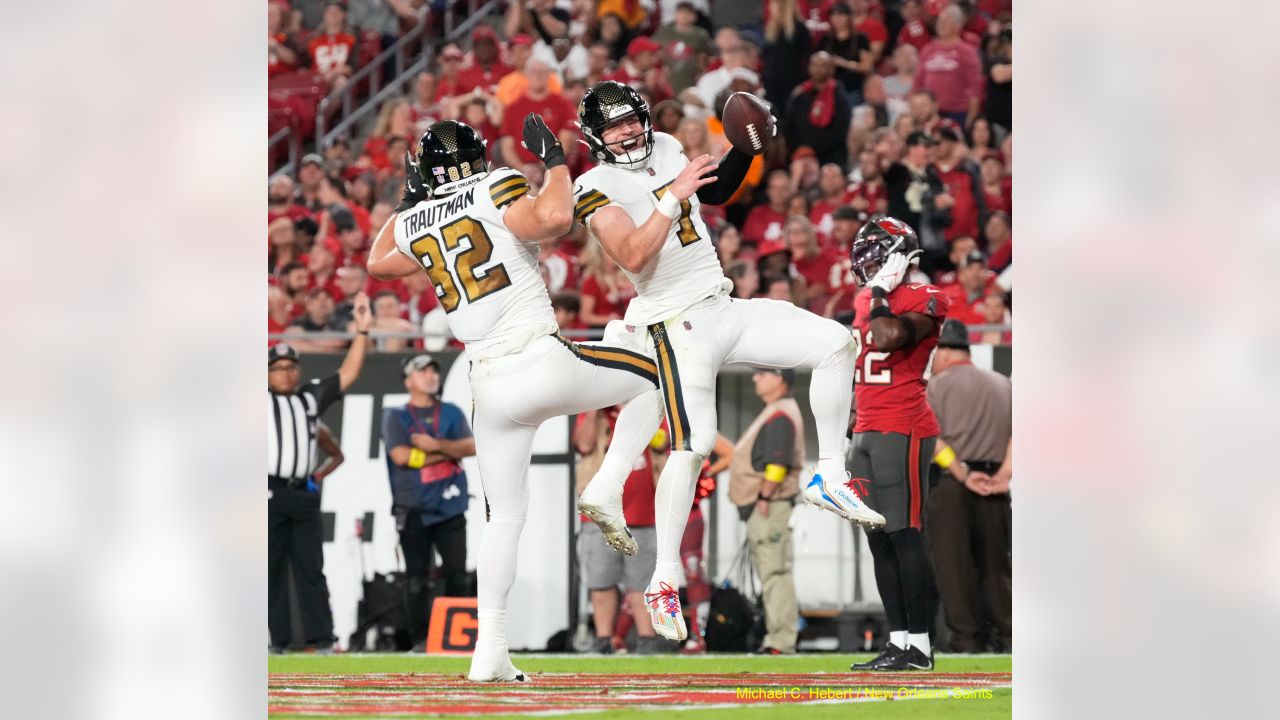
(747, 123)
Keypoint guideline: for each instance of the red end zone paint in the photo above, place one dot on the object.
(452, 695)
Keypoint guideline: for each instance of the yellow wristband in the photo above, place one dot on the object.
(417, 458)
(659, 440)
(945, 457)
(775, 473)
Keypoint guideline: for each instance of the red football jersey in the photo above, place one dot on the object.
(889, 388)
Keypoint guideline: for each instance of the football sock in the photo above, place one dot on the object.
(491, 639)
(913, 569)
(899, 638)
(888, 581)
(830, 399)
(496, 572)
(671, 502)
(919, 640)
(637, 421)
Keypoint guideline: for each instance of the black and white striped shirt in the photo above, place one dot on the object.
(291, 426)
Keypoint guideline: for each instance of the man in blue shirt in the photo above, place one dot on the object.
(426, 440)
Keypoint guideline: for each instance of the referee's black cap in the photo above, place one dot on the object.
(281, 351)
(954, 335)
(788, 375)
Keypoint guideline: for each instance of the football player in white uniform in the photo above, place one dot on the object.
(476, 234)
(642, 203)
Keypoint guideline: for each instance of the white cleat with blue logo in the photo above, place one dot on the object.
(836, 495)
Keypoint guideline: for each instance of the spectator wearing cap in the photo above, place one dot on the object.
(845, 222)
(685, 46)
(425, 443)
(293, 505)
(850, 51)
(537, 18)
(516, 83)
(345, 230)
(970, 516)
(538, 97)
(486, 67)
(818, 115)
(952, 69)
(640, 68)
(963, 179)
(787, 46)
(999, 234)
(388, 319)
(333, 48)
(969, 292)
(310, 175)
(918, 197)
(764, 477)
(764, 222)
(805, 171)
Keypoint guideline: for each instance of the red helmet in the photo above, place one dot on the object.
(877, 240)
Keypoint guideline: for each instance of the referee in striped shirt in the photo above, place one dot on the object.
(293, 507)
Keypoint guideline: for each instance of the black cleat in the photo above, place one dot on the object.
(887, 656)
(917, 660)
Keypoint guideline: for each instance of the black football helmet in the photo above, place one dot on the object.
(604, 104)
(451, 155)
(877, 240)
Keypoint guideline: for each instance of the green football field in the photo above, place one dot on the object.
(741, 687)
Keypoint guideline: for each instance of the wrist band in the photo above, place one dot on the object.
(669, 206)
(882, 311)
(775, 473)
(945, 457)
(417, 458)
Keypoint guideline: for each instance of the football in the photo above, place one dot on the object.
(747, 123)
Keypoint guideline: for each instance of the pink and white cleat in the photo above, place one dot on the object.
(664, 612)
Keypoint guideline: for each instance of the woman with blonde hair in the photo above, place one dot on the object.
(605, 291)
(395, 120)
(696, 139)
(786, 51)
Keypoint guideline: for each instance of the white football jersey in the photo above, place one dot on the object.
(687, 268)
(487, 279)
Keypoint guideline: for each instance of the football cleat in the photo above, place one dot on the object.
(606, 513)
(887, 657)
(837, 496)
(495, 671)
(915, 659)
(664, 612)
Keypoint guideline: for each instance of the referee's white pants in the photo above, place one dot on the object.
(513, 395)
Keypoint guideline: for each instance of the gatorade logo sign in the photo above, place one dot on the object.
(454, 626)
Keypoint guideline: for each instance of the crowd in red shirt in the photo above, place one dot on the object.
(791, 224)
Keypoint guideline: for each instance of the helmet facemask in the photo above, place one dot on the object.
(612, 103)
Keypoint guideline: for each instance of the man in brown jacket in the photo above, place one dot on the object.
(970, 519)
(764, 477)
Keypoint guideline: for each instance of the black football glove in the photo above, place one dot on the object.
(415, 190)
(539, 140)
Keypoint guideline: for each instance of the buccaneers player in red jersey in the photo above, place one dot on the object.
(895, 332)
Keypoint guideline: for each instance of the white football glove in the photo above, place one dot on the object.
(890, 273)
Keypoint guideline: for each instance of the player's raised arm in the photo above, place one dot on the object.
(634, 247)
(891, 332)
(386, 262)
(550, 214)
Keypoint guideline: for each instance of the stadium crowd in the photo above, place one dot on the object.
(901, 108)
